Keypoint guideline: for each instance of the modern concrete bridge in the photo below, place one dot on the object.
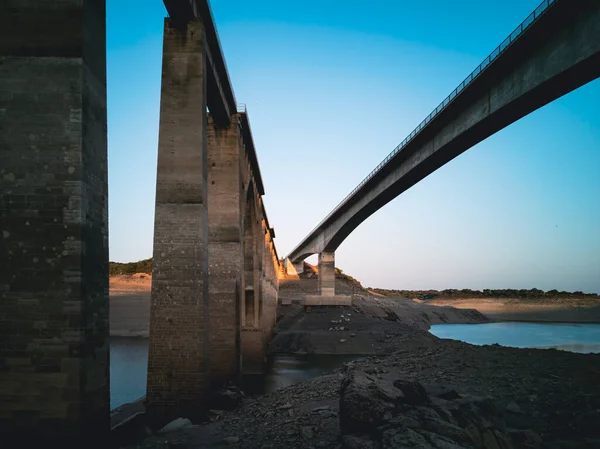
(554, 51)
(215, 265)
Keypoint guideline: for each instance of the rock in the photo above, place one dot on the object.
(353, 334)
(342, 340)
(285, 406)
(403, 437)
(226, 398)
(512, 407)
(364, 401)
(320, 408)
(231, 440)
(291, 412)
(525, 439)
(356, 442)
(176, 424)
(414, 393)
(131, 430)
(307, 432)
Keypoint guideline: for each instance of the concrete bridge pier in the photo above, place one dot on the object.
(327, 296)
(253, 354)
(327, 273)
(178, 357)
(54, 373)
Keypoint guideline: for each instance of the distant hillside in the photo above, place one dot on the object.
(141, 266)
(145, 266)
(533, 293)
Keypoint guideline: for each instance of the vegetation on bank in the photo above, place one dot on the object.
(145, 266)
(141, 266)
(466, 293)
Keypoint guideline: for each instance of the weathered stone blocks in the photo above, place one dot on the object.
(54, 372)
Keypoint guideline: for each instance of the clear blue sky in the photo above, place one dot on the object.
(331, 90)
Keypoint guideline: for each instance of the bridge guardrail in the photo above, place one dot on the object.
(538, 12)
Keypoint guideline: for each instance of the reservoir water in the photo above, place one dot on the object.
(129, 362)
(582, 338)
(129, 356)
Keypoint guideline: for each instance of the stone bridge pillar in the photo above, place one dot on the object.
(54, 374)
(178, 356)
(327, 273)
(253, 356)
(225, 252)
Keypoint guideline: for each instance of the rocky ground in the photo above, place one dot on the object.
(415, 390)
(549, 396)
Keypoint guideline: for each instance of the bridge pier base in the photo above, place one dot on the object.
(327, 296)
(178, 356)
(54, 373)
(253, 351)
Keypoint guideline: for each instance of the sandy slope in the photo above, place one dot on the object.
(130, 305)
(523, 310)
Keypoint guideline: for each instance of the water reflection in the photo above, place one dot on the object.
(581, 338)
(129, 362)
(288, 369)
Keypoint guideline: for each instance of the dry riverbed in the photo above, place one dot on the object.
(536, 398)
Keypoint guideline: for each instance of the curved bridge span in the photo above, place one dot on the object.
(551, 53)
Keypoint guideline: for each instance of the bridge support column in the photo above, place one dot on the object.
(225, 252)
(327, 273)
(178, 357)
(54, 375)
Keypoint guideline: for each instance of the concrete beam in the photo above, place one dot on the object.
(178, 358)
(251, 152)
(553, 56)
(54, 373)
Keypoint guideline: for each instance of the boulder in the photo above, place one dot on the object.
(226, 398)
(364, 401)
(378, 413)
(176, 424)
(130, 431)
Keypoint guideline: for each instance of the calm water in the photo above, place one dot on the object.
(582, 338)
(128, 365)
(129, 356)
(129, 361)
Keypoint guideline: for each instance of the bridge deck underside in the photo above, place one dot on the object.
(554, 57)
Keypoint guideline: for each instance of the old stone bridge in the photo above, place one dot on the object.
(215, 266)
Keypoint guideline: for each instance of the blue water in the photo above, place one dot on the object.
(581, 338)
(128, 369)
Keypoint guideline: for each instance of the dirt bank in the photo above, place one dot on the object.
(524, 310)
(129, 305)
(551, 396)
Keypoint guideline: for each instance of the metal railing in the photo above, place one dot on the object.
(538, 12)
